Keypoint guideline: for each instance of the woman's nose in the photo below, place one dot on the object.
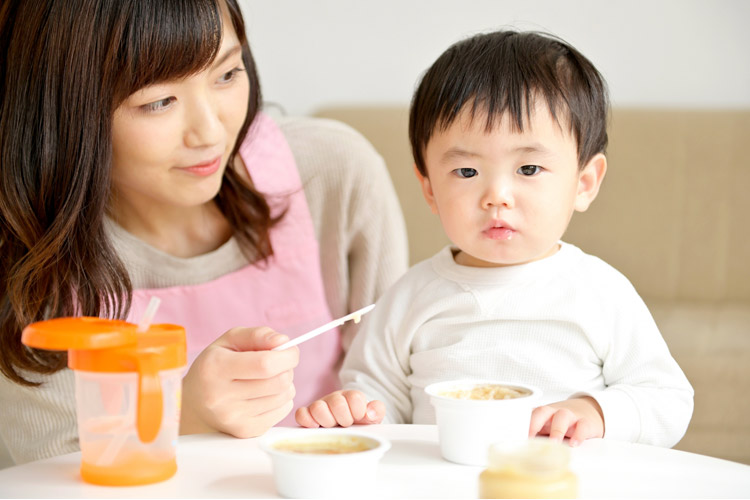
(203, 124)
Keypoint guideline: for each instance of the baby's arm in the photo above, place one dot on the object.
(342, 408)
(645, 397)
(373, 375)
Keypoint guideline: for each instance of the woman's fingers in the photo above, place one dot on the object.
(258, 388)
(250, 339)
(224, 362)
(259, 424)
(249, 417)
(237, 385)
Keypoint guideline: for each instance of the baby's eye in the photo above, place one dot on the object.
(529, 170)
(466, 172)
(159, 105)
(229, 75)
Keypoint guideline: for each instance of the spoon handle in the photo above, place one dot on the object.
(324, 328)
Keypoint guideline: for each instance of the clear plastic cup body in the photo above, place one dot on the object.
(111, 450)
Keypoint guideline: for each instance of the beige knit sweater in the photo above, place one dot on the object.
(363, 250)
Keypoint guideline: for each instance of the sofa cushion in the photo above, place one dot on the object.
(711, 343)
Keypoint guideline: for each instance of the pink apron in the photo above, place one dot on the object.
(285, 293)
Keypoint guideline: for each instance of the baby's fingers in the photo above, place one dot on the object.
(540, 418)
(375, 411)
(584, 430)
(322, 414)
(304, 418)
(561, 422)
(342, 406)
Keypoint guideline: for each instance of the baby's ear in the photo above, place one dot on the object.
(589, 180)
(429, 196)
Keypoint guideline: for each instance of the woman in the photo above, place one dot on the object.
(134, 162)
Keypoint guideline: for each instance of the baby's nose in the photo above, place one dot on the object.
(499, 194)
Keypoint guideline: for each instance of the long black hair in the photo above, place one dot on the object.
(65, 66)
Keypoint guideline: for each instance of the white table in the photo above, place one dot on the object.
(218, 466)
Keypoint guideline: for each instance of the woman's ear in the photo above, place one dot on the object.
(429, 196)
(589, 180)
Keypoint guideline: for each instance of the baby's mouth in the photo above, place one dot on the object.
(499, 231)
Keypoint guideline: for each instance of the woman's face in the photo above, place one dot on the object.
(171, 141)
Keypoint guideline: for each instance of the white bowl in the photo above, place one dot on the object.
(467, 427)
(319, 475)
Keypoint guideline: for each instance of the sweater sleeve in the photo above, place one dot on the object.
(357, 217)
(647, 398)
(377, 364)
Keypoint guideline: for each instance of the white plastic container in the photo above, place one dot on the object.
(319, 475)
(467, 427)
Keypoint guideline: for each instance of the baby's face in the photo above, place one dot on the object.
(504, 197)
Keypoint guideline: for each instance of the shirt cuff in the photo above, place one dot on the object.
(622, 421)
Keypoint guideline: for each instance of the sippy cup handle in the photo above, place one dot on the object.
(150, 407)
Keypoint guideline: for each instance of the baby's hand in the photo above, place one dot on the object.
(342, 408)
(578, 419)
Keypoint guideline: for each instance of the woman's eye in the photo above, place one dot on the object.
(529, 170)
(229, 75)
(466, 172)
(159, 105)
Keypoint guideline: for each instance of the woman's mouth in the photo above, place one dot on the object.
(204, 169)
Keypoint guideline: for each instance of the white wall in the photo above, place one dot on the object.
(655, 53)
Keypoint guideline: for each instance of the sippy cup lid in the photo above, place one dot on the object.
(163, 345)
(61, 334)
(108, 345)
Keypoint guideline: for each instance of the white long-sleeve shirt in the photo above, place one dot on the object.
(569, 324)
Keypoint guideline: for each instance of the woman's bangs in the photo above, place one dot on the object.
(166, 40)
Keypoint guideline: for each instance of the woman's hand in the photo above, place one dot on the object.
(577, 418)
(342, 408)
(238, 386)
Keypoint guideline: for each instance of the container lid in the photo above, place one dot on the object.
(163, 344)
(61, 334)
(537, 457)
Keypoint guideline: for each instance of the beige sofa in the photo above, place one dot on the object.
(672, 215)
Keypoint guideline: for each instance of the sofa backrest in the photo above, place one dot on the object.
(673, 212)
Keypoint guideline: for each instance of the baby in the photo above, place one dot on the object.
(508, 133)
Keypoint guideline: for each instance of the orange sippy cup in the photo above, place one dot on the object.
(128, 393)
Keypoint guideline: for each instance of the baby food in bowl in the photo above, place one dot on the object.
(488, 391)
(473, 414)
(327, 445)
(323, 463)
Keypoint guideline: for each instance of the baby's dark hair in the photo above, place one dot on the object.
(505, 71)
